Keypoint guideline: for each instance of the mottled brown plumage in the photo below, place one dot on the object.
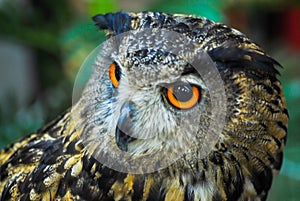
(53, 164)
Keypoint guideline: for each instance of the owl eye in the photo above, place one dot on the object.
(183, 96)
(114, 74)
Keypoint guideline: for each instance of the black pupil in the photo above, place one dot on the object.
(117, 72)
(183, 93)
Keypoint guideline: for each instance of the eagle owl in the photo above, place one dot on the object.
(177, 108)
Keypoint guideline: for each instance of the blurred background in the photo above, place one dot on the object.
(43, 43)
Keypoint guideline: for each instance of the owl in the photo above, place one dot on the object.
(177, 108)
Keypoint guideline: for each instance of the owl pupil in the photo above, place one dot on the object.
(117, 72)
(183, 93)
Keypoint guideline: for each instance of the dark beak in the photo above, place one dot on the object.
(125, 126)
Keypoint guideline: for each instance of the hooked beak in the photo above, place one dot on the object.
(125, 126)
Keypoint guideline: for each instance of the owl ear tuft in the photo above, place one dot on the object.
(115, 23)
(238, 57)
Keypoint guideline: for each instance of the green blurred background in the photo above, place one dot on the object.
(44, 42)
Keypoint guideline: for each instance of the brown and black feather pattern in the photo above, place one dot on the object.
(53, 165)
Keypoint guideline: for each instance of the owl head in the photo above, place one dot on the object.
(169, 90)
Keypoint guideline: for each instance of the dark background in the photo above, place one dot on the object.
(44, 42)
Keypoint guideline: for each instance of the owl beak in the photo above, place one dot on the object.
(124, 126)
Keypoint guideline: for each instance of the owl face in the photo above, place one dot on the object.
(150, 103)
(154, 98)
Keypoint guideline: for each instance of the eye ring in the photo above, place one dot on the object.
(183, 96)
(114, 74)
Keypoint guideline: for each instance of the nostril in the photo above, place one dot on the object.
(128, 109)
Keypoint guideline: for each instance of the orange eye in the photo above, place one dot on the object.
(114, 74)
(183, 96)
